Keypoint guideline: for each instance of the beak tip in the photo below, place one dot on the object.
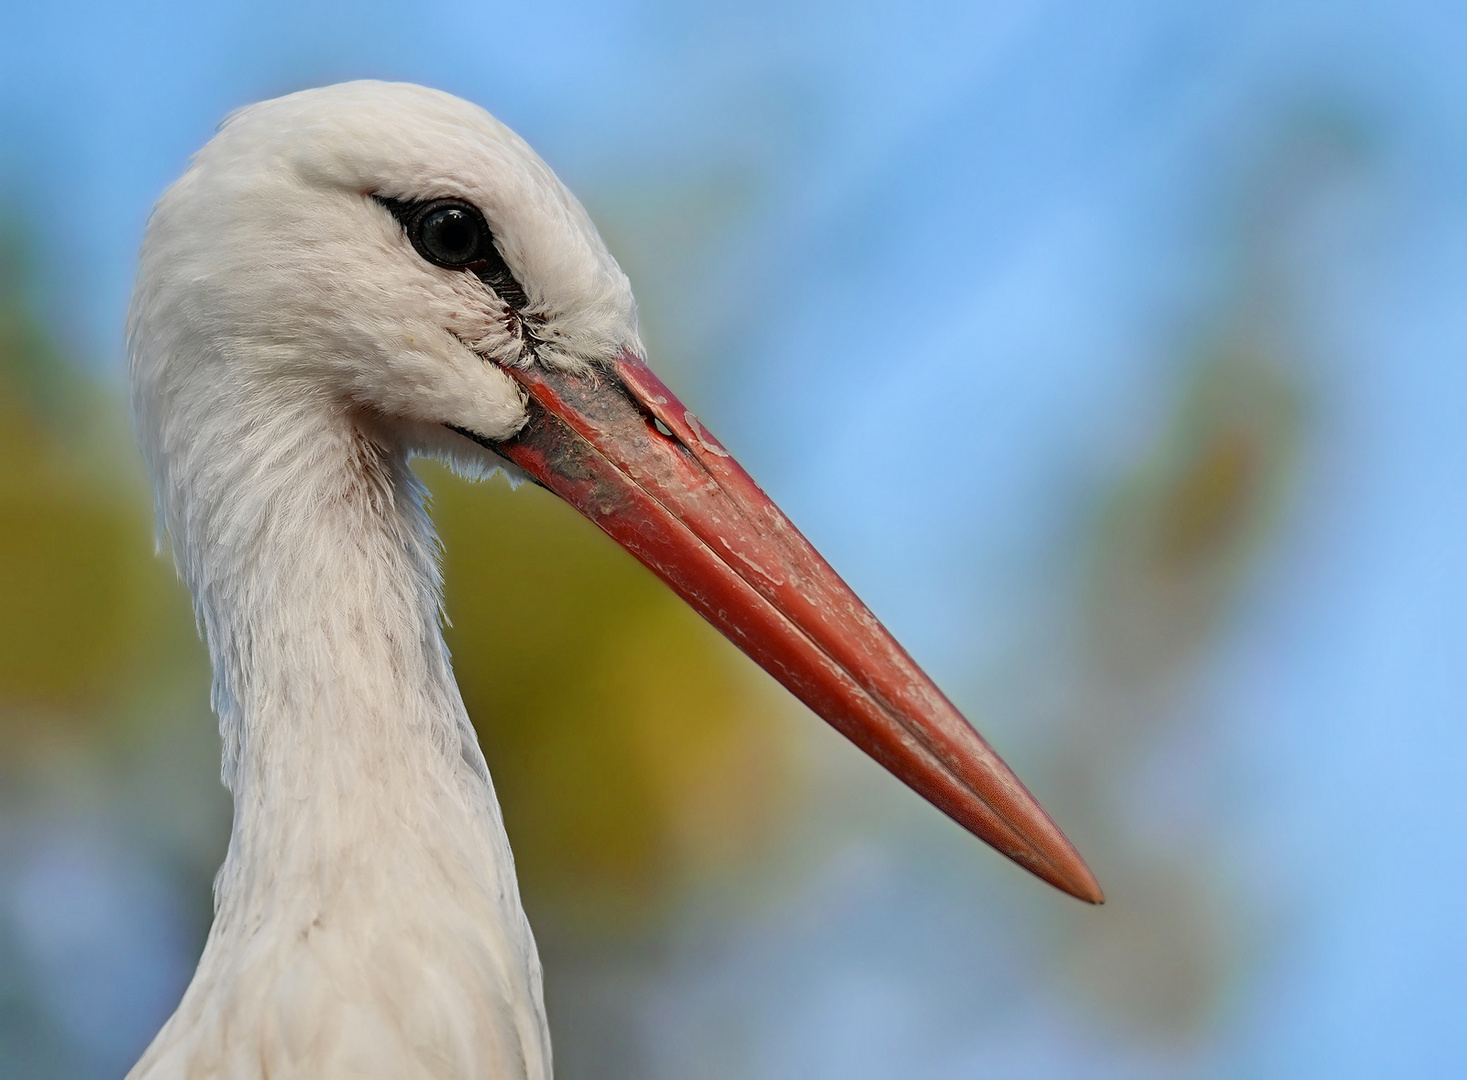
(1047, 853)
(1091, 894)
(1072, 876)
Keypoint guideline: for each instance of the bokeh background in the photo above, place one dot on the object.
(1114, 353)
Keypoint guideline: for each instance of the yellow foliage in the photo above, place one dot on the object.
(88, 615)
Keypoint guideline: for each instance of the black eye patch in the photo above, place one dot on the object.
(453, 234)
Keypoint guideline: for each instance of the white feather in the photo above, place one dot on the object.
(289, 352)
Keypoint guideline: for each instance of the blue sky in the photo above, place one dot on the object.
(930, 271)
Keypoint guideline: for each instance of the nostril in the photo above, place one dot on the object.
(663, 428)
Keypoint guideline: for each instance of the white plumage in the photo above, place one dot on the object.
(292, 346)
(288, 356)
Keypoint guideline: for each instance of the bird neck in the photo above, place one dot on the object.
(366, 833)
(319, 593)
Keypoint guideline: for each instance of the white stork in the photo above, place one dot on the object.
(345, 278)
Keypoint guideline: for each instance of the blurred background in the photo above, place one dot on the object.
(1115, 355)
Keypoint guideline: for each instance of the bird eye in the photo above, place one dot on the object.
(451, 234)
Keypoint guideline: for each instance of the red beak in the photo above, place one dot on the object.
(624, 451)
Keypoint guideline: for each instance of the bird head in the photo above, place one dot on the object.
(396, 257)
(370, 245)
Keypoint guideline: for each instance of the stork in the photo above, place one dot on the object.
(345, 278)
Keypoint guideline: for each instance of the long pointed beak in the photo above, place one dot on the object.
(619, 447)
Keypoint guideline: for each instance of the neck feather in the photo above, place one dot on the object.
(367, 851)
